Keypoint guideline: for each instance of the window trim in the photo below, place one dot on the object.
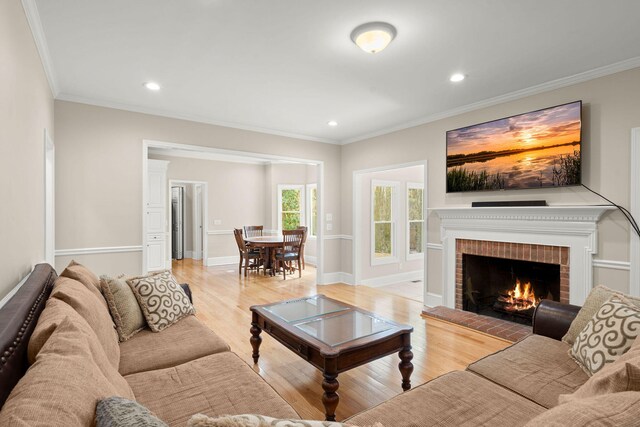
(394, 215)
(419, 255)
(309, 219)
(299, 187)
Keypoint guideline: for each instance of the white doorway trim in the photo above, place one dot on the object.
(356, 252)
(49, 199)
(204, 203)
(147, 144)
(634, 255)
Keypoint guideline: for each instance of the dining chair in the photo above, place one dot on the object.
(290, 250)
(253, 230)
(304, 241)
(247, 254)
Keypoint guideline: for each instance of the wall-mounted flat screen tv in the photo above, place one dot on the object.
(539, 149)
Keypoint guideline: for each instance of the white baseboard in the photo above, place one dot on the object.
(393, 278)
(337, 277)
(433, 300)
(311, 260)
(223, 260)
(15, 289)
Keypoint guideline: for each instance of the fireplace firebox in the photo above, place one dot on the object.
(508, 289)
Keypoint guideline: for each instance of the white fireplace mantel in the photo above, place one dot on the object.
(572, 226)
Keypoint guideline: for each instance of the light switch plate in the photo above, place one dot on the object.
(329, 217)
(217, 222)
(329, 227)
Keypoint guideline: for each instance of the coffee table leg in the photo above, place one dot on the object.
(406, 367)
(330, 398)
(255, 339)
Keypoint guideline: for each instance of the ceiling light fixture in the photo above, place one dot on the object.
(373, 37)
(152, 86)
(457, 77)
(332, 123)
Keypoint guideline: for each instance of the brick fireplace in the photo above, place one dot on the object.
(544, 268)
(563, 235)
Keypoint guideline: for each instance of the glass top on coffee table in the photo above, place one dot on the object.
(327, 320)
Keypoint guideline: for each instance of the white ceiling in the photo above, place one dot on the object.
(289, 66)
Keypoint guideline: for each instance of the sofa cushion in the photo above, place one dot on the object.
(621, 375)
(595, 299)
(615, 409)
(608, 335)
(161, 299)
(119, 412)
(538, 368)
(187, 340)
(82, 274)
(87, 305)
(70, 375)
(454, 399)
(215, 385)
(123, 306)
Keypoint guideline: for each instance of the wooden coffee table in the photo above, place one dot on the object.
(332, 336)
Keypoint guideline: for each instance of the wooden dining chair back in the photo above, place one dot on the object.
(247, 254)
(304, 241)
(290, 250)
(253, 230)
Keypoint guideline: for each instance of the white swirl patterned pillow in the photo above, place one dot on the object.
(162, 300)
(608, 335)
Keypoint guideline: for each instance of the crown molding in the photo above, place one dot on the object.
(185, 116)
(33, 19)
(606, 70)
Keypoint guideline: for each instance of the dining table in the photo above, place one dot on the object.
(268, 243)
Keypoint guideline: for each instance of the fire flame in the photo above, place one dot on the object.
(520, 298)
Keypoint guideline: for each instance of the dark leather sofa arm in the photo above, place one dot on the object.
(187, 290)
(552, 319)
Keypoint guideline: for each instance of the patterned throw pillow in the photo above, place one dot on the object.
(251, 420)
(161, 299)
(608, 335)
(123, 305)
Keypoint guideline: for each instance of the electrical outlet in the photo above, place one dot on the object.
(329, 227)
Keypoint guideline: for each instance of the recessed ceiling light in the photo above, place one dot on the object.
(457, 77)
(332, 123)
(373, 37)
(152, 86)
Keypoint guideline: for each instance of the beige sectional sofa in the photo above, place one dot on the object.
(187, 369)
(76, 360)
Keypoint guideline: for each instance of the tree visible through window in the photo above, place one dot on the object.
(415, 217)
(382, 206)
(291, 206)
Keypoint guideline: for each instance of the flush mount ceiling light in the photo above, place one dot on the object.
(457, 77)
(332, 123)
(152, 86)
(373, 37)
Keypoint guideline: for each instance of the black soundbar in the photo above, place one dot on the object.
(505, 203)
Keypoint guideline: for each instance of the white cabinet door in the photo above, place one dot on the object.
(157, 183)
(155, 220)
(155, 255)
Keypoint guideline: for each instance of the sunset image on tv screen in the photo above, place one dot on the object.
(531, 150)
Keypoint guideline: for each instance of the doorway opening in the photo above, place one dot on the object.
(390, 229)
(186, 217)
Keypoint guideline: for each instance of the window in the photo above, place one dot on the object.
(290, 206)
(312, 209)
(383, 222)
(415, 220)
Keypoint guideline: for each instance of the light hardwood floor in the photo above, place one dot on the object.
(222, 300)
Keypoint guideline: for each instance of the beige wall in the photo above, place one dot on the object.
(26, 110)
(99, 175)
(611, 110)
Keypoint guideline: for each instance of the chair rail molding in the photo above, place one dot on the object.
(571, 226)
(100, 250)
